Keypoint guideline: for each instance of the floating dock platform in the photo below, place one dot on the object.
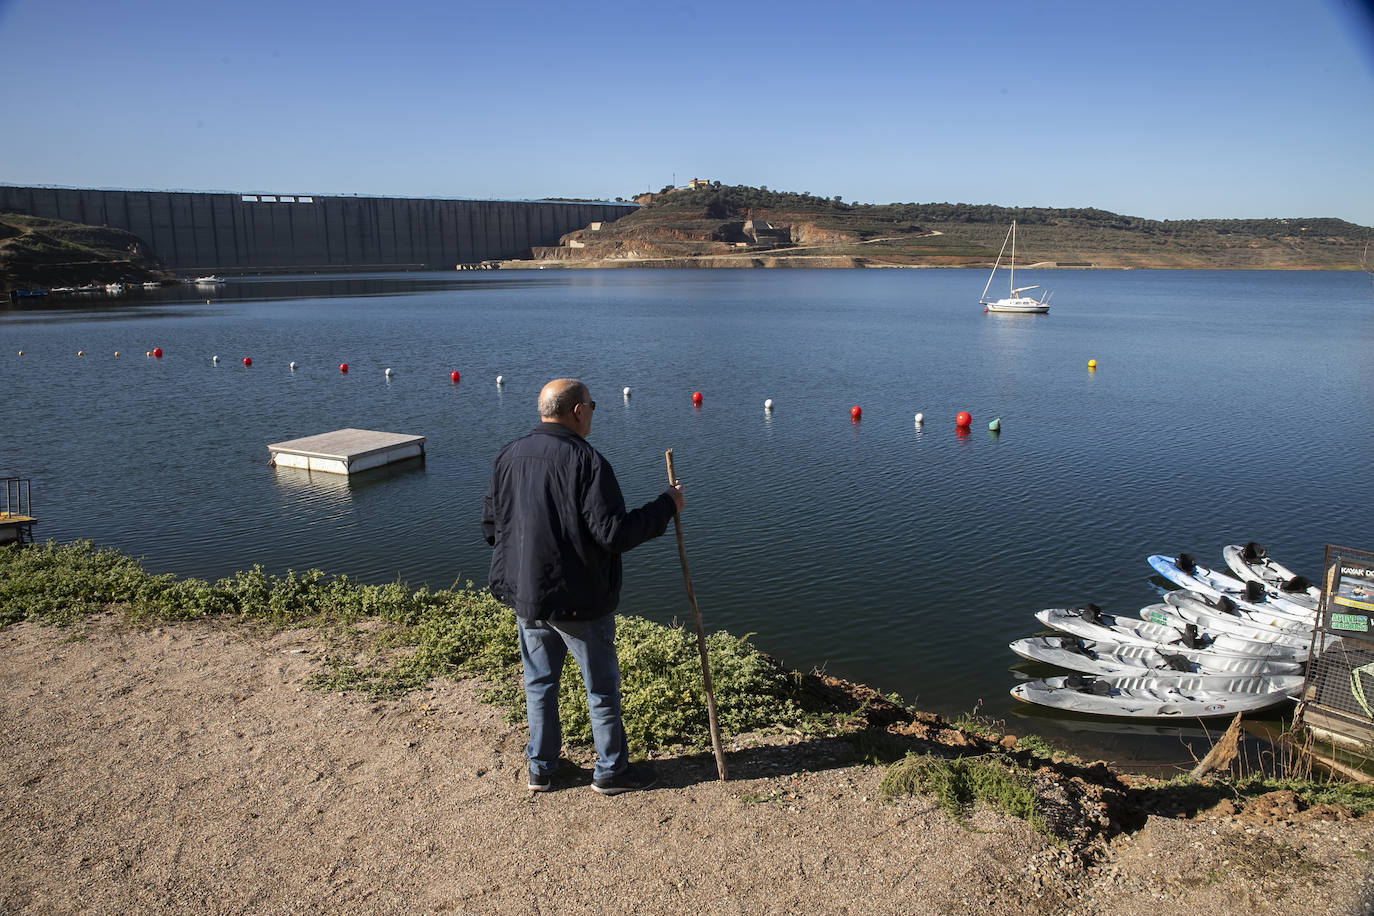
(16, 519)
(346, 451)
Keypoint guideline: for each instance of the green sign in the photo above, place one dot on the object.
(1356, 622)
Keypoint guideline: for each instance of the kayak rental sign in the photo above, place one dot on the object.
(1337, 700)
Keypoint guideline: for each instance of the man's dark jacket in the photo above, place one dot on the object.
(556, 516)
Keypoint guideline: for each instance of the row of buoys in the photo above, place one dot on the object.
(963, 419)
(156, 352)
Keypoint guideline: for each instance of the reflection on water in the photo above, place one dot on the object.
(312, 486)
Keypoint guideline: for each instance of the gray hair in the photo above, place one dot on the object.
(560, 396)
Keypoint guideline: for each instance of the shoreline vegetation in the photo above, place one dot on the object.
(384, 641)
(710, 225)
(38, 253)
(715, 226)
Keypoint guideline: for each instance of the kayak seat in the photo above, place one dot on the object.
(1088, 685)
(1176, 662)
(1186, 563)
(1297, 584)
(1076, 644)
(1253, 551)
(1254, 591)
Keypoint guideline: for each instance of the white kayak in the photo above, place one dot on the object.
(1184, 572)
(1184, 607)
(1263, 616)
(1091, 622)
(1123, 659)
(1158, 696)
(1252, 563)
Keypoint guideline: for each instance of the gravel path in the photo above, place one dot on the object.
(185, 769)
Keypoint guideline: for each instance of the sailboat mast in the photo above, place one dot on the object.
(1012, 287)
(997, 264)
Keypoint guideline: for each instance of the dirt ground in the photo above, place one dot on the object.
(185, 769)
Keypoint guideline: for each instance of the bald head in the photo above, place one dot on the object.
(558, 398)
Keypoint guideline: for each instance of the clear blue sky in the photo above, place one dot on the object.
(1161, 109)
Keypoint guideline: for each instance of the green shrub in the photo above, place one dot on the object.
(416, 635)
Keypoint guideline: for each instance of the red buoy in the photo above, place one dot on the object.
(157, 352)
(247, 361)
(962, 418)
(696, 398)
(454, 376)
(856, 412)
(343, 367)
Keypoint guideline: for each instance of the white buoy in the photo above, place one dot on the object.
(768, 404)
(625, 391)
(920, 418)
(293, 365)
(214, 359)
(500, 380)
(388, 372)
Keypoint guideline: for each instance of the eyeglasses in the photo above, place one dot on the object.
(591, 404)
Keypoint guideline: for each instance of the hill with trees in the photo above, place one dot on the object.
(734, 225)
(38, 253)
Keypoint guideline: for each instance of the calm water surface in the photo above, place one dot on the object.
(1226, 407)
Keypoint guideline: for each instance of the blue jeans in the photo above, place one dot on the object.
(544, 644)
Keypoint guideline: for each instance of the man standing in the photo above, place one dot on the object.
(556, 516)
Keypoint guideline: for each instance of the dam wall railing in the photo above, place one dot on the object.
(227, 232)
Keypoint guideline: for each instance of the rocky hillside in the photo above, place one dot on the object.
(38, 253)
(718, 226)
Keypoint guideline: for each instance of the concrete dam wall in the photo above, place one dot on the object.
(223, 232)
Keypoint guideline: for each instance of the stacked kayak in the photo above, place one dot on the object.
(1218, 645)
(1251, 563)
(1160, 696)
(1185, 572)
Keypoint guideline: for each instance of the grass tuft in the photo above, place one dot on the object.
(958, 784)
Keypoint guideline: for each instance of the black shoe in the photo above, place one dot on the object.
(631, 779)
(540, 783)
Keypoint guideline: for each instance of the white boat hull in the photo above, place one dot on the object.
(1022, 306)
(1182, 608)
(1188, 696)
(1217, 584)
(1141, 631)
(1251, 563)
(1124, 659)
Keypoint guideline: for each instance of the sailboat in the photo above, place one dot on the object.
(1015, 302)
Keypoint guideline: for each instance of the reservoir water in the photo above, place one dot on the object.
(1225, 407)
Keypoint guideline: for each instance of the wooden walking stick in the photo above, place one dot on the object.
(701, 633)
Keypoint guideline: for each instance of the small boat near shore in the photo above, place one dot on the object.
(1014, 302)
(1187, 573)
(1091, 623)
(1252, 563)
(210, 280)
(1161, 697)
(1111, 659)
